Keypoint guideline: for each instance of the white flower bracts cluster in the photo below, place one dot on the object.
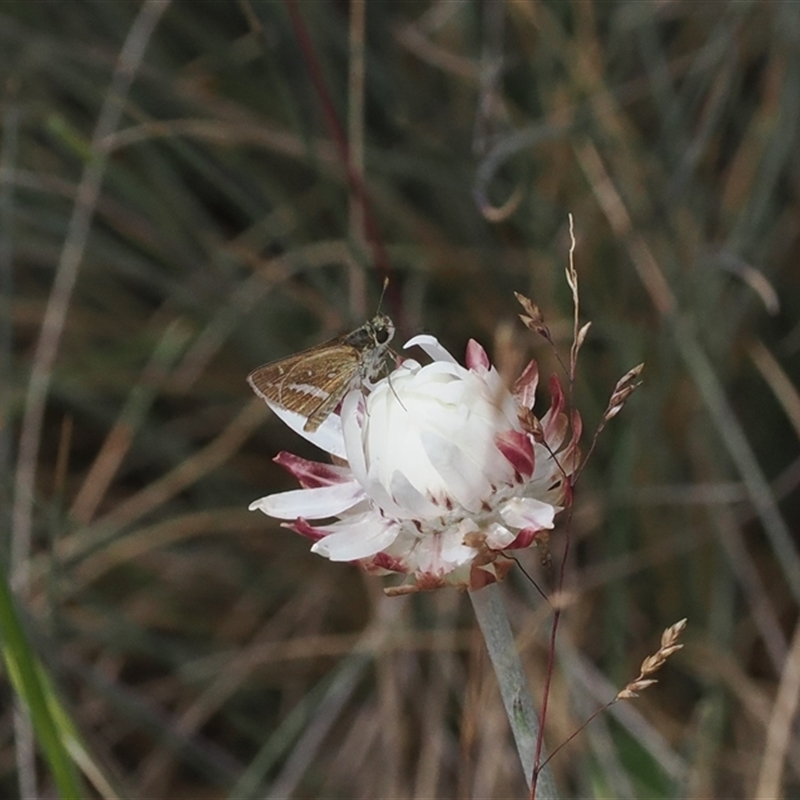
(438, 471)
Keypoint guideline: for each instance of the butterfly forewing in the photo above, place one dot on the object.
(312, 383)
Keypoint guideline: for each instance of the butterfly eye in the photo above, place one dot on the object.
(382, 335)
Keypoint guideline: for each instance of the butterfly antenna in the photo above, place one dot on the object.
(383, 292)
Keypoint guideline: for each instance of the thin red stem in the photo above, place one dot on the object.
(354, 180)
(551, 655)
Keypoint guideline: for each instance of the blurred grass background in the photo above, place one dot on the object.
(177, 162)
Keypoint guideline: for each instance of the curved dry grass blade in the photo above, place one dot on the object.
(779, 730)
(129, 60)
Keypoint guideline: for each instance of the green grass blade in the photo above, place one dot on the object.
(26, 677)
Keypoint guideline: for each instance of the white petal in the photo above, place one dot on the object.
(453, 549)
(441, 553)
(461, 474)
(360, 537)
(525, 512)
(498, 536)
(409, 501)
(351, 421)
(430, 344)
(327, 437)
(324, 501)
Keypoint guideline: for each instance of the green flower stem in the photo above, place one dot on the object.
(493, 620)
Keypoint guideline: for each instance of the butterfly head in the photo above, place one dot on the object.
(381, 330)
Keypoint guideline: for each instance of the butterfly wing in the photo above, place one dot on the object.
(310, 383)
